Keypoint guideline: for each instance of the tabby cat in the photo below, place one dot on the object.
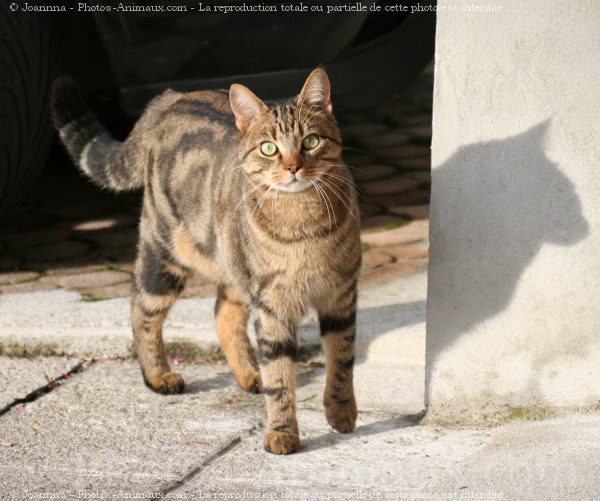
(254, 196)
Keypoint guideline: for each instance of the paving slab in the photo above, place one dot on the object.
(103, 430)
(554, 459)
(391, 323)
(386, 454)
(86, 280)
(102, 433)
(382, 221)
(21, 376)
(18, 277)
(374, 258)
(413, 211)
(410, 233)
(26, 287)
(390, 457)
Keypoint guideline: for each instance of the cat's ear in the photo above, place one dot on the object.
(317, 91)
(245, 105)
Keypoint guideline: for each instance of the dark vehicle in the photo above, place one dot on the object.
(123, 54)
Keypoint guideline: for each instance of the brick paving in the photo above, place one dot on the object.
(74, 236)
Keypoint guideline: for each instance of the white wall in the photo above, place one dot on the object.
(513, 316)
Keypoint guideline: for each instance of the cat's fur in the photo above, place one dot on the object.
(278, 234)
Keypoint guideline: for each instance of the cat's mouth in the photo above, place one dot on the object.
(295, 184)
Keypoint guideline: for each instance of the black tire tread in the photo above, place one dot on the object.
(28, 55)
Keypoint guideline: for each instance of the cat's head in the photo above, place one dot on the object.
(287, 145)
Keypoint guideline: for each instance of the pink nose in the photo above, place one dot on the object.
(293, 168)
(293, 164)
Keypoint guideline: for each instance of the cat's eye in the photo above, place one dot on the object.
(310, 142)
(268, 148)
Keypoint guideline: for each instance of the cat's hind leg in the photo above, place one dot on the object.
(158, 283)
(338, 331)
(231, 317)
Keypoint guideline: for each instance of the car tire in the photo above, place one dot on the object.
(28, 54)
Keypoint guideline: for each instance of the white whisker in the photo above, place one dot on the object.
(348, 182)
(257, 206)
(343, 179)
(348, 166)
(247, 194)
(335, 189)
(326, 199)
(322, 196)
(355, 149)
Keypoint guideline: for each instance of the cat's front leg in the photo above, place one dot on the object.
(278, 351)
(338, 331)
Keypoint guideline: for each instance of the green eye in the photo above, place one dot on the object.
(268, 148)
(310, 142)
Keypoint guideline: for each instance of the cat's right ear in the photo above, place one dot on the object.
(245, 105)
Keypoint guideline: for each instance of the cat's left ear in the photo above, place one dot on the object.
(317, 91)
(245, 106)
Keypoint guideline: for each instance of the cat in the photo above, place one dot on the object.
(255, 196)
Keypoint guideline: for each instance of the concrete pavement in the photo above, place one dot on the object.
(88, 428)
(102, 434)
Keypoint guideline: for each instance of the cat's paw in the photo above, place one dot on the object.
(341, 414)
(250, 382)
(167, 383)
(281, 442)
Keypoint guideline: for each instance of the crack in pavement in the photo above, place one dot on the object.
(205, 464)
(48, 388)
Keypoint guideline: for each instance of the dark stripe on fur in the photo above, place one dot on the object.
(257, 326)
(245, 155)
(276, 393)
(350, 338)
(347, 364)
(336, 324)
(341, 401)
(258, 303)
(155, 278)
(151, 313)
(240, 257)
(264, 281)
(273, 350)
(283, 427)
(202, 110)
(351, 289)
(263, 221)
(222, 297)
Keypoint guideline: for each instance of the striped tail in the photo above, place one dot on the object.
(90, 145)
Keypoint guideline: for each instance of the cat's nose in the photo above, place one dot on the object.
(293, 164)
(293, 168)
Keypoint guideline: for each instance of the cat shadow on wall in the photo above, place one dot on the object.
(502, 201)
